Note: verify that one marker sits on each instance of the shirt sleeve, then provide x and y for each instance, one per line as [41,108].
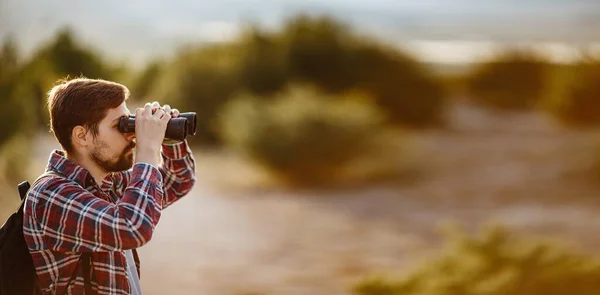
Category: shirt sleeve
[178,170]
[73,219]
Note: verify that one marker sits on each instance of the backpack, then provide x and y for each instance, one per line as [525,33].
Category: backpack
[17,273]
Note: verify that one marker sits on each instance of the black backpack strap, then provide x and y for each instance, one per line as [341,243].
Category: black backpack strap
[23,189]
[87,258]
[25,186]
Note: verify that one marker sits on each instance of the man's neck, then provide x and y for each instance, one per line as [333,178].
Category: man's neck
[85,162]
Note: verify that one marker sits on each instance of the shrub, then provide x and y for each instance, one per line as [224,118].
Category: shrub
[201,81]
[16,158]
[310,50]
[263,66]
[142,83]
[496,263]
[336,59]
[515,80]
[12,113]
[318,50]
[404,89]
[578,102]
[304,136]
[63,56]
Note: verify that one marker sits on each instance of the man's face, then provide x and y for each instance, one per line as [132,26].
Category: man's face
[113,150]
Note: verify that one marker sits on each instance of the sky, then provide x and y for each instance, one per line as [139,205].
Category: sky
[446,30]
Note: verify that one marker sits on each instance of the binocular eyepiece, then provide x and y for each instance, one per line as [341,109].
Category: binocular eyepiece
[177,128]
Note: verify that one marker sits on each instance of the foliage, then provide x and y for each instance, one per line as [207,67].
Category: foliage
[13,110]
[23,88]
[318,51]
[202,82]
[263,66]
[303,135]
[62,57]
[515,80]
[495,263]
[144,81]
[404,89]
[329,55]
[16,159]
[579,99]
[309,50]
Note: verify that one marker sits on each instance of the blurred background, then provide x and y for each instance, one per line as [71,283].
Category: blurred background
[343,147]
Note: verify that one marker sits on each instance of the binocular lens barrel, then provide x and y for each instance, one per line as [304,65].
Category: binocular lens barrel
[177,128]
[191,121]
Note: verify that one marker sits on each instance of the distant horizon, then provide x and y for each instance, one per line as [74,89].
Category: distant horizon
[456,32]
[449,52]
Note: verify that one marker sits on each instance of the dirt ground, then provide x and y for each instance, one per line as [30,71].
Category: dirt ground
[520,170]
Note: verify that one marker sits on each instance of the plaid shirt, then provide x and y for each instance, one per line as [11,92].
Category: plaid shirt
[66,216]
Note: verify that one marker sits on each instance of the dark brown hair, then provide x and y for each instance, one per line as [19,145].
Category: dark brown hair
[81,102]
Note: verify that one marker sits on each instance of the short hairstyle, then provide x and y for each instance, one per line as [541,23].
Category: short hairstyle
[81,102]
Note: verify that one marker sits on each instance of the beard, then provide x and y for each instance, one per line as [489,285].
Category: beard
[121,162]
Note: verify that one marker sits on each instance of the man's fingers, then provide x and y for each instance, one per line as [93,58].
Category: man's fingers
[148,109]
[166,117]
[159,113]
[155,106]
[175,113]
[139,112]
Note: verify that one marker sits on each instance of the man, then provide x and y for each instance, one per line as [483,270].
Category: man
[108,200]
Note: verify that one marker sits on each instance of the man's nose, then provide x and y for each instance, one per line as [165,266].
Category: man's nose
[130,136]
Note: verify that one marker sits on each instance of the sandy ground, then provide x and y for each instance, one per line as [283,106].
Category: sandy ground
[519,170]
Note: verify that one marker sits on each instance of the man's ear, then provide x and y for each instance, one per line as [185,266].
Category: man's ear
[80,136]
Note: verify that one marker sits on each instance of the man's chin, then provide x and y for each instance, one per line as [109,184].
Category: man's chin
[125,164]
[129,164]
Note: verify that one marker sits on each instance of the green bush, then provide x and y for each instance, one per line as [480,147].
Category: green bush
[318,51]
[263,66]
[70,57]
[407,91]
[201,81]
[142,82]
[331,56]
[15,159]
[12,113]
[302,135]
[13,109]
[515,80]
[62,57]
[577,103]
[308,50]
[496,263]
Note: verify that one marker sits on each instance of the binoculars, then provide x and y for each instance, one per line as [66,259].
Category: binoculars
[177,128]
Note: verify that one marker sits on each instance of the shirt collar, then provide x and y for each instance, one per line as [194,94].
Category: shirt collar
[73,171]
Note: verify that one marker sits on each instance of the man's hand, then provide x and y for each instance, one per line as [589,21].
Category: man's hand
[167,108]
[174,114]
[150,128]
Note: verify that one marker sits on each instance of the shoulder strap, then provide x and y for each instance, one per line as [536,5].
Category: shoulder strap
[24,188]
[87,258]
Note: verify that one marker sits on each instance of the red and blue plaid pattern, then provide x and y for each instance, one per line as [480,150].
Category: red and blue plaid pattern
[65,216]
